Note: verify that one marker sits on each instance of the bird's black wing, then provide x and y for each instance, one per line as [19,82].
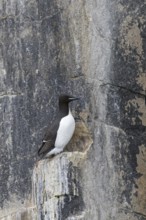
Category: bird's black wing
[49,139]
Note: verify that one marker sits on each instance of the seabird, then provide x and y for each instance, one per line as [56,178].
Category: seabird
[61,131]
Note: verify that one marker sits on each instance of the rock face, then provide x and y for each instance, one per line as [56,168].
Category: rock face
[92,49]
[58,194]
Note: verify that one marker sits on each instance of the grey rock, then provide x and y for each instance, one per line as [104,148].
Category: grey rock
[56,187]
[91,49]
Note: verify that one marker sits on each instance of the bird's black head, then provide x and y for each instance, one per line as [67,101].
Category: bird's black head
[66,98]
[64,101]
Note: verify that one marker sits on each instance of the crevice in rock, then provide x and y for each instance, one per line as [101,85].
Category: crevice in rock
[126,210]
[63,195]
[72,206]
[139,214]
[127,89]
[76,77]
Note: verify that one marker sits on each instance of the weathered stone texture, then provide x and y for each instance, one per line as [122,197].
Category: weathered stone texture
[56,188]
[92,49]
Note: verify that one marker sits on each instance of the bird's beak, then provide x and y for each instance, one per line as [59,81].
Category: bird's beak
[73,98]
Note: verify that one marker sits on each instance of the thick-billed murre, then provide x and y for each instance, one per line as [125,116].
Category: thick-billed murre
[61,131]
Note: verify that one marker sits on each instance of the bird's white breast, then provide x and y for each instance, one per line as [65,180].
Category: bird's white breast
[65,131]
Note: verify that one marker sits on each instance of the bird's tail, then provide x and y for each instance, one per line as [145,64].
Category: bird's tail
[40,149]
[43,150]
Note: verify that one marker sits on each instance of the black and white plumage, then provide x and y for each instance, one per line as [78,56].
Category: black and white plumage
[61,131]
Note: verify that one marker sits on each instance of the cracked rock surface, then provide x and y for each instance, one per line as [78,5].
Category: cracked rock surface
[56,188]
[95,50]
